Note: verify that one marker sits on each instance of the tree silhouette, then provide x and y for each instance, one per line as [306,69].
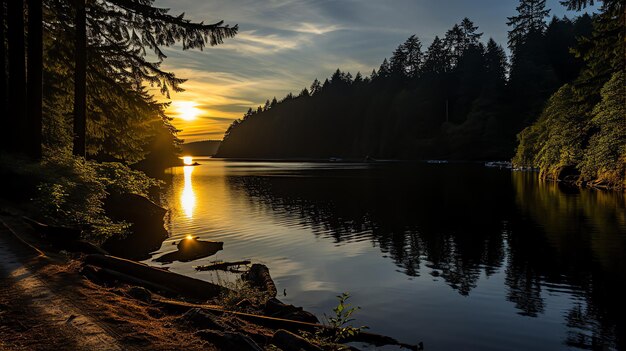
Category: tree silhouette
[437,58]
[34,79]
[17,74]
[529,20]
[417,105]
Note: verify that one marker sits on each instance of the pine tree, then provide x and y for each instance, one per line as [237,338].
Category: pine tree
[358,78]
[374,74]
[437,58]
[496,62]
[529,20]
[604,51]
[471,37]
[120,113]
[384,70]
[455,44]
[316,87]
[406,60]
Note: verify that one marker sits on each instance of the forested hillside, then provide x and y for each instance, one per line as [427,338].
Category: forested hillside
[581,134]
[460,98]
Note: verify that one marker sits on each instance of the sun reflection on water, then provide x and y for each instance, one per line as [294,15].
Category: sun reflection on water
[188,196]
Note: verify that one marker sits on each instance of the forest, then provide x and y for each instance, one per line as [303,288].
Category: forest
[556,104]
[78,91]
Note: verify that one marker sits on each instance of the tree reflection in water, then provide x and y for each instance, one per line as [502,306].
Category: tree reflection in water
[458,221]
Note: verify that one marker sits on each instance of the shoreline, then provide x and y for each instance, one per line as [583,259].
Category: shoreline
[128,315]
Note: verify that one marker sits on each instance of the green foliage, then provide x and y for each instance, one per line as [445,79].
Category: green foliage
[340,321]
[69,191]
[556,140]
[125,40]
[582,129]
[605,156]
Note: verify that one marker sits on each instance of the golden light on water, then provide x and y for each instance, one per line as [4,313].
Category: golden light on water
[188,160]
[188,196]
[186,110]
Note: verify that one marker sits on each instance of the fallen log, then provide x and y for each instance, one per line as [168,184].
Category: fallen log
[221,265]
[179,284]
[106,275]
[289,325]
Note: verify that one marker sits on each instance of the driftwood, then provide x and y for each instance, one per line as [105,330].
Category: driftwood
[280,323]
[100,274]
[259,276]
[145,275]
[221,265]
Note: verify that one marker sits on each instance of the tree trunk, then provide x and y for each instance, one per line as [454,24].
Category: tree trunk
[17,75]
[34,78]
[3,77]
[80,77]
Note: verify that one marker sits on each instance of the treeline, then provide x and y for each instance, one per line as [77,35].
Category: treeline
[460,98]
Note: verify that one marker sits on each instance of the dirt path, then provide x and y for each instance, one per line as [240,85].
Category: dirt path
[46,304]
[41,308]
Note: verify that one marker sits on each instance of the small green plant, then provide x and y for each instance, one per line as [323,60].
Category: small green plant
[339,323]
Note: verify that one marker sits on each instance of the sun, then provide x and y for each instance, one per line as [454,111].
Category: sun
[187,110]
[187,160]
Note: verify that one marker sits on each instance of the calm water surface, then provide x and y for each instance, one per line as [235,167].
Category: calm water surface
[458,256]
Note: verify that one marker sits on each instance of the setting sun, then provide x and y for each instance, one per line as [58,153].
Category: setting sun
[186,110]
[188,160]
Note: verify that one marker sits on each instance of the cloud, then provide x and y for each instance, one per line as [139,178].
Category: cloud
[284,44]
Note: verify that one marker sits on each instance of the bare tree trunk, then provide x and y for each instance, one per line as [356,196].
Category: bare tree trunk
[34,78]
[17,75]
[80,79]
[3,76]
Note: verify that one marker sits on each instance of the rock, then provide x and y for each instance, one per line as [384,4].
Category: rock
[200,319]
[140,293]
[192,249]
[259,276]
[288,341]
[229,340]
[275,308]
[147,231]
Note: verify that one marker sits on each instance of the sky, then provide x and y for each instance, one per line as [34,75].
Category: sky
[282,45]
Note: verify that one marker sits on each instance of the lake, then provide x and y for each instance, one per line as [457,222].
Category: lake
[459,256]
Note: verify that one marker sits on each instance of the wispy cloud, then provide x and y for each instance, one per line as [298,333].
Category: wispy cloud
[284,44]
